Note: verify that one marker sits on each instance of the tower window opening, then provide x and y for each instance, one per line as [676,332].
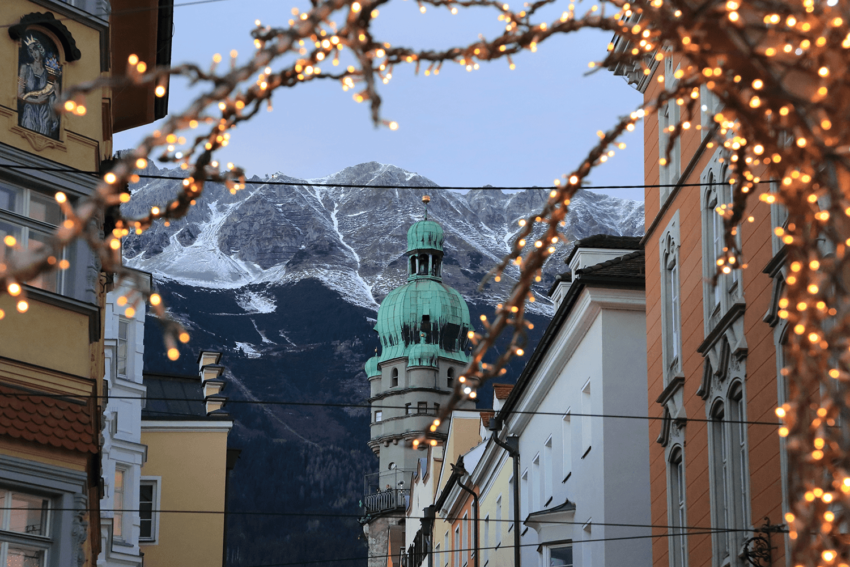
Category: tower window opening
[394,378]
[423,265]
[423,407]
[435,267]
[450,378]
[412,269]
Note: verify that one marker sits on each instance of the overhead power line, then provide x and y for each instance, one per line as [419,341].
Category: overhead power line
[357,405]
[365,186]
[393,516]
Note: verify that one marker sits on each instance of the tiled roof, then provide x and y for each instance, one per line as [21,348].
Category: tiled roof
[631,265]
[184,397]
[486,416]
[46,420]
[502,390]
[605,241]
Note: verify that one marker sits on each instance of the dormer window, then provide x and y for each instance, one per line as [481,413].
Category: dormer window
[394,378]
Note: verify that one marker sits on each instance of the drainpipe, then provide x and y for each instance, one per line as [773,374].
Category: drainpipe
[462,472]
[511,445]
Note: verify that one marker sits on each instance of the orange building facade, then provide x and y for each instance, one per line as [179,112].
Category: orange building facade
[711,347]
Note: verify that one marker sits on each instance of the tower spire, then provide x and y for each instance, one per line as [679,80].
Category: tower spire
[425,200]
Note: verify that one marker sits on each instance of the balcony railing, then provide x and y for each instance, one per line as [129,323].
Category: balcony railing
[387,490]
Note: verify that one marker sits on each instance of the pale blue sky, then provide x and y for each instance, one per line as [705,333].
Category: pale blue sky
[492,126]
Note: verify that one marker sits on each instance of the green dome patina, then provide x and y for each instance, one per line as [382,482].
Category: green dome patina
[372,367]
[424,319]
[425,235]
[423,355]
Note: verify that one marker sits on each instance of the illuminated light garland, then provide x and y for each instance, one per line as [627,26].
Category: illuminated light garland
[780,72]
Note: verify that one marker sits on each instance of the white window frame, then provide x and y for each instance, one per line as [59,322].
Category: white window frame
[379,416]
[669,115]
[547,484]
[525,496]
[671,308]
[447,554]
[586,424]
[536,486]
[457,546]
[465,538]
[156,482]
[119,503]
[547,555]
[567,456]
[125,342]
[22,221]
[677,507]
[498,527]
[486,539]
[43,543]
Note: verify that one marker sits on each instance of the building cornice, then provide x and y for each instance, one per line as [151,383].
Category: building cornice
[159,426]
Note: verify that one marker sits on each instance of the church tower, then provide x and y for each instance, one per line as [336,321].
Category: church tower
[423,328]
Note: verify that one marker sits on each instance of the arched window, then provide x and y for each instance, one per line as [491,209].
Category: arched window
[412,269]
[394,378]
[678,516]
[450,378]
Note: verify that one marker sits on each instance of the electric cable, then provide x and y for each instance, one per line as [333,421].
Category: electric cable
[363,186]
[229,401]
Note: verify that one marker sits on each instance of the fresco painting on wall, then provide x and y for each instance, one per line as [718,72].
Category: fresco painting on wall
[39,84]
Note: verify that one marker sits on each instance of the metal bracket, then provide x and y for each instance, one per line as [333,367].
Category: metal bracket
[757,550]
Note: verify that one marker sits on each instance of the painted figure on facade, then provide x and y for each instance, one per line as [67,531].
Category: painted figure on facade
[39,85]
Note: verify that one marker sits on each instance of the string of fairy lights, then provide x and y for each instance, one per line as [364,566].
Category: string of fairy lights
[779,71]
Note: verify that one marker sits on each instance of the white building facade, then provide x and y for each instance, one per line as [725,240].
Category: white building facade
[581,473]
[122,525]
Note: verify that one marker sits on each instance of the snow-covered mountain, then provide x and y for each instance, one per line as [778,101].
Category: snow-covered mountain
[351,239]
[285,280]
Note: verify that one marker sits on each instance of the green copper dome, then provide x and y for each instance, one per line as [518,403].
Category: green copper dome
[423,311]
[423,355]
[425,235]
[424,319]
[372,367]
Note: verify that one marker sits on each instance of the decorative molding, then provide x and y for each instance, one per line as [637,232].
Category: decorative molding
[49,21]
[736,310]
[675,415]
[199,426]
[38,141]
[79,530]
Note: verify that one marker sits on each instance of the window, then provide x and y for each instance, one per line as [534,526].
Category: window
[546,473]
[739,457]
[678,519]
[568,446]
[148,496]
[457,547]
[118,504]
[511,503]
[586,548]
[450,378]
[408,409]
[525,506]
[720,291]
[423,407]
[379,416]
[671,309]
[394,378]
[486,538]
[30,218]
[720,485]
[446,548]
[536,487]
[466,533]
[586,424]
[668,116]
[24,529]
[436,409]
[709,105]
[561,556]
[498,527]
[437,556]
[123,326]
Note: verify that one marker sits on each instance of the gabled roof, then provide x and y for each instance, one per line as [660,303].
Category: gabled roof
[175,397]
[502,391]
[629,266]
[608,241]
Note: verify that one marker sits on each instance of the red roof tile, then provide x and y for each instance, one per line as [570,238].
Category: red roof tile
[486,416]
[46,420]
[502,390]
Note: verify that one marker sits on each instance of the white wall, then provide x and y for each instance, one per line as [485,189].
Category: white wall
[122,434]
[602,344]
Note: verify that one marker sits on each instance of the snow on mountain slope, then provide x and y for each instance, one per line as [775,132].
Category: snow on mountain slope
[351,239]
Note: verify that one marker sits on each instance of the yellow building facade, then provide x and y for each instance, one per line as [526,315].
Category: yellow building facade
[185,430]
[51,339]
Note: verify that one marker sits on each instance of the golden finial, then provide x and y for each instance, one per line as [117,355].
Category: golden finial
[425,200]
